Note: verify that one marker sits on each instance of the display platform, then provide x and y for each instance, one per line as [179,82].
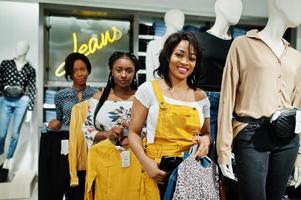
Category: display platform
[20,187]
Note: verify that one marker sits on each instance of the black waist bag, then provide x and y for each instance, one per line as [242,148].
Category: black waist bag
[284,125]
[14,91]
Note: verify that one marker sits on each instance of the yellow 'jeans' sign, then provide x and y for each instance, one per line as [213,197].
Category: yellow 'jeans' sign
[92,45]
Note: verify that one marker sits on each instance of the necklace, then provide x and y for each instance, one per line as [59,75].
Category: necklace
[180,98]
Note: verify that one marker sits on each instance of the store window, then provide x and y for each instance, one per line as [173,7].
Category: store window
[96,38]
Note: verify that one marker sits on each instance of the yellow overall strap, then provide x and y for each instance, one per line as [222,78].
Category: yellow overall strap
[157,92]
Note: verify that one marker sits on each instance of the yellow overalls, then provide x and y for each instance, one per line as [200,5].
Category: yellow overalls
[176,126]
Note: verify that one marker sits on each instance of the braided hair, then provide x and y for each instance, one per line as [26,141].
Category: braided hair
[110,83]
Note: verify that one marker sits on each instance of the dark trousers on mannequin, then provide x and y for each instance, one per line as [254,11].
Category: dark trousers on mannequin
[263,162]
[54,177]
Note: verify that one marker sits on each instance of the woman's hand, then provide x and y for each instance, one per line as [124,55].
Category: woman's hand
[114,133]
[124,142]
[204,144]
[54,124]
[152,169]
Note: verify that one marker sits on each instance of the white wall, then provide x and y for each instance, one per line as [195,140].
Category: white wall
[251,8]
[19,21]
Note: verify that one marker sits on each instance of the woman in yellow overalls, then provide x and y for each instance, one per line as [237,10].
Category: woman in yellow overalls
[175,110]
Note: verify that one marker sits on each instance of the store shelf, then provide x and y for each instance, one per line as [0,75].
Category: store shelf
[48,106]
[148,37]
[64,84]
[141,53]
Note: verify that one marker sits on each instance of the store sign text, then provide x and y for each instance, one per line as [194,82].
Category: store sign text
[92,45]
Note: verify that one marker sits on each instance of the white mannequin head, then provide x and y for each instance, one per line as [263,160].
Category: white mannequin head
[229,10]
[174,21]
[22,48]
[288,12]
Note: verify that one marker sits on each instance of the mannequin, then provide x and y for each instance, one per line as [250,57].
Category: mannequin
[174,21]
[227,13]
[20,60]
[247,135]
[19,76]
[216,43]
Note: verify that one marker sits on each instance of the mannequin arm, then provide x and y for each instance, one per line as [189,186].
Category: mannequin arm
[28,116]
[227,171]
[297,176]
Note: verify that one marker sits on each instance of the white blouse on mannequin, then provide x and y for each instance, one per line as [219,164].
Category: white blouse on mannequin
[174,21]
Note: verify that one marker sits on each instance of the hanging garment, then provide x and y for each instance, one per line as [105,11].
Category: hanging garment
[111,180]
[196,181]
[173,136]
[77,147]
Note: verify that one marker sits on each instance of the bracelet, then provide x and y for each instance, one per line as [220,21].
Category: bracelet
[210,139]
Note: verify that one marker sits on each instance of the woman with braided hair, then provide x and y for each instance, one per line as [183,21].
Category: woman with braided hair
[111,165]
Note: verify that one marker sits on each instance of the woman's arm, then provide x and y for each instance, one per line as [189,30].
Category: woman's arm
[138,118]
[203,139]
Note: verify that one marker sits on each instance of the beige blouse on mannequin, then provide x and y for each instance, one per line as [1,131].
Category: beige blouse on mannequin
[282,15]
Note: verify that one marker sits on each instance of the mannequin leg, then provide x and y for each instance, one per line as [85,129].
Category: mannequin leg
[2,158]
[19,115]
[281,161]
[6,113]
[7,164]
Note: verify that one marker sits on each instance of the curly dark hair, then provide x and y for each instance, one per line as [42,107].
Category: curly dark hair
[69,62]
[170,44]
[110,83]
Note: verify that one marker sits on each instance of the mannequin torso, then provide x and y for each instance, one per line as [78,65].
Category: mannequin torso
[20,62]
[174,21]
[227,13]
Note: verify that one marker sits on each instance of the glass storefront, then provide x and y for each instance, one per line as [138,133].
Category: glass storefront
[96,38]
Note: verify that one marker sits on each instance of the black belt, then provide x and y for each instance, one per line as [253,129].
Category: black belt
[247,119]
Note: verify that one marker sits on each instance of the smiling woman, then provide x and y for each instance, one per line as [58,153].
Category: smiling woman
[175,110]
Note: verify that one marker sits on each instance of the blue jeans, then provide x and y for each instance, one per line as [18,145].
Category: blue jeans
[214,102]
[17,108]
[263,162]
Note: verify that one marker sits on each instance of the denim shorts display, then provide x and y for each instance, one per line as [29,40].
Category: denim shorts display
[16,108]
[49,96]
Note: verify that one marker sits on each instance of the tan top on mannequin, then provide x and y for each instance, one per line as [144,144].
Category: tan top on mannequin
[282,15]
[174,21]
[227,13]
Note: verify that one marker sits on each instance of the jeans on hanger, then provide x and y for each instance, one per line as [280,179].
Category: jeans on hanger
[214,103]
[12,107]
[263,162]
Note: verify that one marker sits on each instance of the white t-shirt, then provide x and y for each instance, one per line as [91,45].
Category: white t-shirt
[146,95]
